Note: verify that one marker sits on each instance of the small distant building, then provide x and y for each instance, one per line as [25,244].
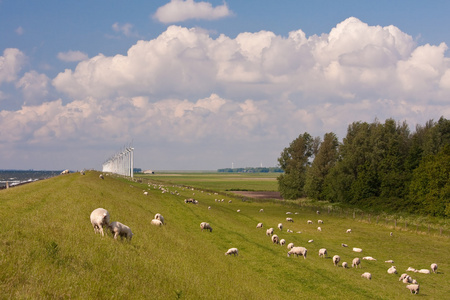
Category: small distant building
[149,172]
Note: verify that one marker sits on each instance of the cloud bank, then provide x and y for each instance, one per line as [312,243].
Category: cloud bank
[190,101]
[179,11]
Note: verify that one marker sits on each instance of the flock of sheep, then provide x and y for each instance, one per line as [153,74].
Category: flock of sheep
[100,218]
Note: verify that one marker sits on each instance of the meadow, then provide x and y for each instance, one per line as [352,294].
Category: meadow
[48,248]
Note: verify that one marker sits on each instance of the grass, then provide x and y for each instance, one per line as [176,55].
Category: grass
[48,248]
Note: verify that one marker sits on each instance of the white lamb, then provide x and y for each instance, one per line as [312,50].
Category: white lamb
[269,231]
[434,268]
[356,262]
[410,269]
[344,265]
[275,239]
[99,218]
[389,261]
[367,275]
[289,220]
[336,259]
[206,226]
[156,222]
[403,276]
[369,258]
[310,241]
[260,225]
[392,270]
[282,242]
[280,226]
[423,271]
[119,229]
[233,251]
[349,231]
[344,245]
[323,252]
[261,210]
[414,288]
[357,249]
[298,251]
[319,221]
[290,246]
[319,229]
[159,217]
[309,222]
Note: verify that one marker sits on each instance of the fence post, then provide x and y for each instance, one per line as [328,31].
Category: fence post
[395,223]
[369,218]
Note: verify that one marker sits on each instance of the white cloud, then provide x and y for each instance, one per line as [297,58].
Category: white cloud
[179,11]
[185,93]
[125,29]
[19,30]
[11,63]
[72,56]
[34,87]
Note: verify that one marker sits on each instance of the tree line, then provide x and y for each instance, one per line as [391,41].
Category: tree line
[376,165]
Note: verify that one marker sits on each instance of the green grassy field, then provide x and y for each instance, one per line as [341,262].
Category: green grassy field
[48,248]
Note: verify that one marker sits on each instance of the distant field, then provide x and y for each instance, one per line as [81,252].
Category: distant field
[221,181]
[48,249]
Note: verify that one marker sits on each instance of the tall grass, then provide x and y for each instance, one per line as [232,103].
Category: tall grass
[48,248]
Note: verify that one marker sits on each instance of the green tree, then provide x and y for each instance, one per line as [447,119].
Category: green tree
[294,161]
[324,160]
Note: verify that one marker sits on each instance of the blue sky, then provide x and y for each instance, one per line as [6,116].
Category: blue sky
[203,84]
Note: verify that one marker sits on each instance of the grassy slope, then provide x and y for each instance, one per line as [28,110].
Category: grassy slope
[48,248]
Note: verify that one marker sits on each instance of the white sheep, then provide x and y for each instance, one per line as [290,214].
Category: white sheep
[238,210]
[423,271]
[392,270]
[282,242]
[156,222]
[323,252]
[261,210]
[290,231]
[369,258]
[119,229]
[298,251]
[344,245]
[260,225]
[336,259]
[344,265]
[99,218]
[289,220]
[367,275]
[389,261]
[407,279]
[310,241]
[233,251]
[206,226]
[288,213]
[319,229]
[414,288]
[403,276]
[410,269]
[349,231]
[356,262]
[434,268]
[357,249]
[159,217]
[101,176]
[280,226]
[319,222]
[269,231]
[275,239]
[290,246]
[309,222]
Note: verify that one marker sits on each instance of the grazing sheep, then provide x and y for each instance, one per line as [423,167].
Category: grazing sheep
[414,288]
[357,249]
[229,201]
[410,269]
[206,226]
[159,217]
[119,229]
[345,265]
[290,231]
[298,251]
[323,252]
[233,251]
[349,231]
[145,193]
[367,275]
[290,246]
[392,270]
[260,225]
[369,258]
[344,245]
[238,210]
[319,222]
[280,226]
[336,259]
[289,220]
[275,239]
[269,231]
[389,261]
[310,241]
[309,222]
[282,242]
[407,279]
[99,218]
[65,172]
[261,210]
[434,268]
[356,262]
[319,229]
[403,276]
[288,213]
[318,212]
[156,222]
[423,271]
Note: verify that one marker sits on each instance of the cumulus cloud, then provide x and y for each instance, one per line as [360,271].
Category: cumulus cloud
[184,93]
[34,87]
[72,56]
[11,63]
[125,29]
[179,11]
